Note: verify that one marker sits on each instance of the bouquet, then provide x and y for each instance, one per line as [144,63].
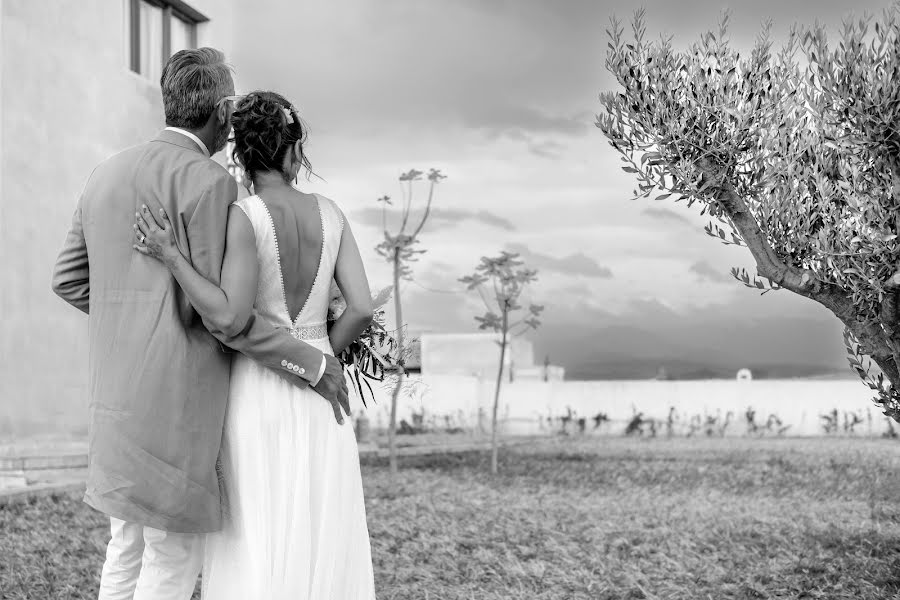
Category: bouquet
[373,354]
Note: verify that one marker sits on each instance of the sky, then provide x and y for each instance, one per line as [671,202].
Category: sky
[501,96]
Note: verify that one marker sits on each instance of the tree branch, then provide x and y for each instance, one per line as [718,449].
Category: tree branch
[407,205]
[769,264]
[487,305]
[427,210]
[878,340]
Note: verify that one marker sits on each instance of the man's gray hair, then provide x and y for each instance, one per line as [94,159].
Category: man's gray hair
[192,82]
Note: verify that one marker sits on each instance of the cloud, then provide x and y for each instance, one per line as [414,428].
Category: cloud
[707,272]
[483,216]
[412,93]
[578,291]
[664,214]
[548,149]
[437,276]
[573,264]
[425,310]
[530,69]
[517,122]
[543,148]
[527,65]
[439,218]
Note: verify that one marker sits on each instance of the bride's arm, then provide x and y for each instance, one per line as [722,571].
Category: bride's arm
[226,307]
[350,275]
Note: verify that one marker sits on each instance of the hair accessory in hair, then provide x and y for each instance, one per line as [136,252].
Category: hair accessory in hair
[262,137]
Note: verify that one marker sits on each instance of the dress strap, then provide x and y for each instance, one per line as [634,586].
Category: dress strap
[332,224]
[253,207]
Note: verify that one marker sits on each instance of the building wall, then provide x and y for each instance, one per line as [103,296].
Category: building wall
[67,102]
[539,373]
[471,354]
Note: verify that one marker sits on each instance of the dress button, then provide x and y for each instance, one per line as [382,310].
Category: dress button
[284,363]
[302,371]
[290,366]
[296,369]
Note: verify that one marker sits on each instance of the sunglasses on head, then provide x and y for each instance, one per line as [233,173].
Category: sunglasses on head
[229,99]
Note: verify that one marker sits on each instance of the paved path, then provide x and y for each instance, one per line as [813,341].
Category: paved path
[29,476]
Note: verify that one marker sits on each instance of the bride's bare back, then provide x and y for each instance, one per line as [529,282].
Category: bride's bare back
[303,242]
[297,220]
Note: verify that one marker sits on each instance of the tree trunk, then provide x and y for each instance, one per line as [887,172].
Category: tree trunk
[392,426]
[880,341]
[497,394]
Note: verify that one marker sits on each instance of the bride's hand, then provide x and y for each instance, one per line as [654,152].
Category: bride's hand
[157,241]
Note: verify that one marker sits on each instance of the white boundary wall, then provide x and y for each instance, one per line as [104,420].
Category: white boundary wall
[525,406]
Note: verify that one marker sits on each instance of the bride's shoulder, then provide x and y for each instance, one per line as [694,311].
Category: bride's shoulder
[250,206]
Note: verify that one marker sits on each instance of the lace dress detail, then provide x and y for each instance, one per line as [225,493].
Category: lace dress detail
[310,332]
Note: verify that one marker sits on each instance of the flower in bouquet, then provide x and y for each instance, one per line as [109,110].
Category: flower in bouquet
[371,355]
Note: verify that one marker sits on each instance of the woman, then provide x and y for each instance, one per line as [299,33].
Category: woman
[295,523]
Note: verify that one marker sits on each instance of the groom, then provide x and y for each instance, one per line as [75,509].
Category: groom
[158,376]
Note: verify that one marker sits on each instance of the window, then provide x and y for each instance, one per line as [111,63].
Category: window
[159,29]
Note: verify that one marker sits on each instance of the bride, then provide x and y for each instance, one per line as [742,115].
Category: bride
[295,522]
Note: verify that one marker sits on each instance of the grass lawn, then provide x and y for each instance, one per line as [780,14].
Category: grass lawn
[593,518]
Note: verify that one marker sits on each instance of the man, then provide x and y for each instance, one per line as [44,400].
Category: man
[158,376]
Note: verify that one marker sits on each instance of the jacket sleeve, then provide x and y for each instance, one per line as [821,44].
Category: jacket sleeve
[71,279]
[260,340]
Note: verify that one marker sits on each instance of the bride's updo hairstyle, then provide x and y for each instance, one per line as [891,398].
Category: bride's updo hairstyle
[266,126]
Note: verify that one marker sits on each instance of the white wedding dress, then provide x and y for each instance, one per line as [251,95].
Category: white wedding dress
[294,518]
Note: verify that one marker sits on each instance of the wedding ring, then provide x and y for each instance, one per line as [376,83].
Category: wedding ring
[143,238]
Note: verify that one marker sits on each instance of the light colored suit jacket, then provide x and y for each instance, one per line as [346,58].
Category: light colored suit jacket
[158,377]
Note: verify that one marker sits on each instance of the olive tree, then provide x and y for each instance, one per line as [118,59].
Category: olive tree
[794,154]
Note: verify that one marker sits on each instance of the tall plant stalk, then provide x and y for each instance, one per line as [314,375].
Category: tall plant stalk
[400,250]
[401,347]
[508,278]
[503,344]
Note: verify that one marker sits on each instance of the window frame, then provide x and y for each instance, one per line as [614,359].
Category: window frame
[172,9]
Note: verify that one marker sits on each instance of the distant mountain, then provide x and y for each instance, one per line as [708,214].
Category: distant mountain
[682,370]
[785,349]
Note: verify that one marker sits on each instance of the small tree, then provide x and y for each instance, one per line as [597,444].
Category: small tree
[400,249]
[796,154]
[508,278]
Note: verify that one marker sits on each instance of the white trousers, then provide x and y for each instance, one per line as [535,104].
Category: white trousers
[143,563]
